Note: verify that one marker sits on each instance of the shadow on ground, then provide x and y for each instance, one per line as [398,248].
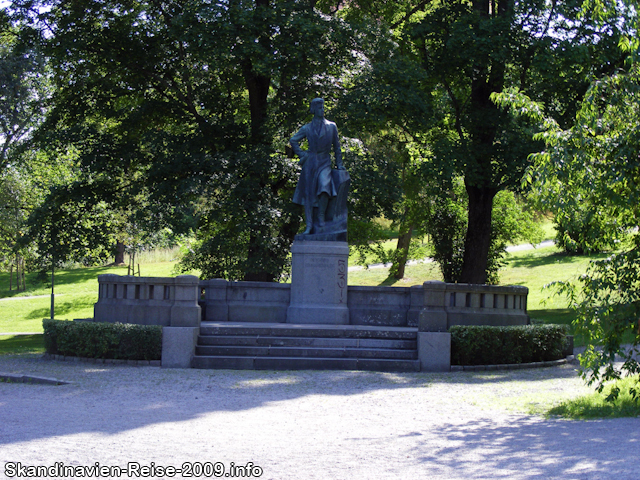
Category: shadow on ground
[148,395]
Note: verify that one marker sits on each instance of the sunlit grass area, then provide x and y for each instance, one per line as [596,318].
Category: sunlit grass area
[76,291]
[594,405]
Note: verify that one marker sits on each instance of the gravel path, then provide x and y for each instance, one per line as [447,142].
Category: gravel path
[311,425]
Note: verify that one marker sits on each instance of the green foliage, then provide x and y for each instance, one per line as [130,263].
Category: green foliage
[602,153]
[446,224]
[583,227]
[103,340]
[484,345]
[189,104]
[432,71]
[607,303]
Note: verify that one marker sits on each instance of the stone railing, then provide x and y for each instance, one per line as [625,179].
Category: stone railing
[169,302]
[433,306]
[226,301]
[148,300]
[447,304]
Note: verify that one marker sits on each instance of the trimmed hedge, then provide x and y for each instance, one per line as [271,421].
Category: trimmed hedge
[103,340]
[485,345]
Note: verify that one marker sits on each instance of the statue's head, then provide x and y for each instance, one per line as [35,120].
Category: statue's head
[315,104]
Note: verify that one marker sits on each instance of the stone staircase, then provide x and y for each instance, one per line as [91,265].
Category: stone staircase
[282,346]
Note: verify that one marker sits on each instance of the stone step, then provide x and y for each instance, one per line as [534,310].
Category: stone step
[312,330]
[305,363]
[252,340]
[323,352]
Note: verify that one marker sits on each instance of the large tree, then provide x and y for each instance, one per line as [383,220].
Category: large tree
[192,102]
[469,51]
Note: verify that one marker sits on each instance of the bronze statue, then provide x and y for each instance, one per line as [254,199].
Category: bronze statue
[321,190]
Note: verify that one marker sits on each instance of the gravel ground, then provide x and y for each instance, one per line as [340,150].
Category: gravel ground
[311,425]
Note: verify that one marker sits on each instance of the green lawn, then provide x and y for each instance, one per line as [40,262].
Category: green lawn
[77,289]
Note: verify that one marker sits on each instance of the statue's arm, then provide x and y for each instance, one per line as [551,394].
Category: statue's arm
[337,150]
[295,144]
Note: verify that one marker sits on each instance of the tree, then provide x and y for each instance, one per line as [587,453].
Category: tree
[598,158]
[602,150]
[24,89]
[192,102]
[471,50]
[445,222]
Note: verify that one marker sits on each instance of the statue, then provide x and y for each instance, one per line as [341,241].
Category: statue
[321,189]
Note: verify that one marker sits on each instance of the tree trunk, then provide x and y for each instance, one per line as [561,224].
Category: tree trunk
[402,252]
[120,247]
[478,238]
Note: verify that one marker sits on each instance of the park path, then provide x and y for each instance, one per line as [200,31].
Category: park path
[311,424]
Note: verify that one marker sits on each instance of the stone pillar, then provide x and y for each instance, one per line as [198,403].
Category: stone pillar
[434,351]
[433,316]
[180,338]
[319,283]
[178,346]
[185,311]
[434,342]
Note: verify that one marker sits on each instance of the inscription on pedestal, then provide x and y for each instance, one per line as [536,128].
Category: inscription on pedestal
[342,280]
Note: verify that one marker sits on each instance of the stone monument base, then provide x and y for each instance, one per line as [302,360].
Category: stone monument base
[319,283]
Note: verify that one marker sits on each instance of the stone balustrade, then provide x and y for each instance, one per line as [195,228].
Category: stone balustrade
[148,300]
[433,306]
[169,302]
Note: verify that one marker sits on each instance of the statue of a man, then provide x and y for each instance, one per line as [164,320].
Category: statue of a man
[316,185]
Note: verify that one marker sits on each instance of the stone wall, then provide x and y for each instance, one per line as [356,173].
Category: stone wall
[433,306]
[170,302]
[179,304]
[148,300]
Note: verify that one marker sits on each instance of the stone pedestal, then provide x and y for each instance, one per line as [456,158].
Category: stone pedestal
[319,283]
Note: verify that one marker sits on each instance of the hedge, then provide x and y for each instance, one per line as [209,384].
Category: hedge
[103,340]
[485,345]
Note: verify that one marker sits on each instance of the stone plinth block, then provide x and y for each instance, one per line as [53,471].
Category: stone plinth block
[178,346]
[319,283]
[434,351]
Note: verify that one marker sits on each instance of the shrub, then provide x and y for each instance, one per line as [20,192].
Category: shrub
[485,345]
[103,340]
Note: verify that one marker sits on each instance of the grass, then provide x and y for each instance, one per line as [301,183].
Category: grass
[594,405]
[19,344]
[76,291]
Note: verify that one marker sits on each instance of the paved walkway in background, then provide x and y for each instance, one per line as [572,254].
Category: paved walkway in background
[311,424]
[30,297]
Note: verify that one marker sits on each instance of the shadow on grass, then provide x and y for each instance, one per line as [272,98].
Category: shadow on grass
[390,281]
[16,344]
[64,307]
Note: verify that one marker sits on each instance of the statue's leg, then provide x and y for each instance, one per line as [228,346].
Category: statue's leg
[308,216]
[323,201]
